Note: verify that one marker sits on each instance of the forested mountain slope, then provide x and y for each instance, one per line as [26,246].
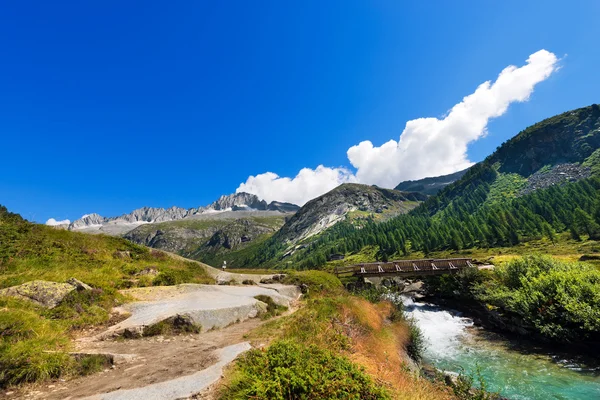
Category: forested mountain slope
[354,203]
[542,182]
[207,239]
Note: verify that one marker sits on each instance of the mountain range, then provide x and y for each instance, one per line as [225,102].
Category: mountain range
[95,223]
[473,207]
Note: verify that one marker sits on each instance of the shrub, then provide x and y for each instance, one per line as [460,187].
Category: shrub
[287,370]
[561,300]
[170,277]
[88,364]
[172,326]
[416,341]
[83,308]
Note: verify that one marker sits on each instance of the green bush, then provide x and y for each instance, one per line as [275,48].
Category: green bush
[416,342]
[91,363]
[173,326]
[170,277]
[287,370]
[561,300]
[460,285]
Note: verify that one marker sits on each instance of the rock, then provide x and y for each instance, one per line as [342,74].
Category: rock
[78,284]
[223,279]
[44,293]
[556,175]
[122,254]
[262,307]
[151,271]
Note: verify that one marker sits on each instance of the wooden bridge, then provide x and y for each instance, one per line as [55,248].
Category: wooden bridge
[406,268]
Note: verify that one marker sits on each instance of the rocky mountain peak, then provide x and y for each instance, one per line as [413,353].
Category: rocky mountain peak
[88,220]
[240,200]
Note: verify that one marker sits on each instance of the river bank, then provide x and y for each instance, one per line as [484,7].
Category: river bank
[513,328]
[514,368]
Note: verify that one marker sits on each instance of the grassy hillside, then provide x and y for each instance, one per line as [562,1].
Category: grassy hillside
[34,340]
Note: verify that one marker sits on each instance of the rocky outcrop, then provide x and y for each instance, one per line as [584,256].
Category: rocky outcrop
[283,207]
[556,175]
[238,232]
[332,207]
[44,293]
[240,201]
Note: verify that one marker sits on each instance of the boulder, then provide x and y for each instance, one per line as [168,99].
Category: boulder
[78,284]
[224,279]
[44,293]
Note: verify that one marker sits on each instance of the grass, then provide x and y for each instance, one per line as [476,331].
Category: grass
[593,162]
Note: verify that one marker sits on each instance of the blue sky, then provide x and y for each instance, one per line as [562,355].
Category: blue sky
[110,106]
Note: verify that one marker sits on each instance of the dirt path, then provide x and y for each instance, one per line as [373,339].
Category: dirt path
[189,361]
[150,360]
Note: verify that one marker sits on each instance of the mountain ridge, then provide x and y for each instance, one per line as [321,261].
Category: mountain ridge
[126,222]
[430,185]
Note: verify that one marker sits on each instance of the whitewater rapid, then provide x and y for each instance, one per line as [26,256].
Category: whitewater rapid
[453,344]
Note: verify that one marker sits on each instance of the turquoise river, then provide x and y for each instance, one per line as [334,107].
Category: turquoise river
[516,373]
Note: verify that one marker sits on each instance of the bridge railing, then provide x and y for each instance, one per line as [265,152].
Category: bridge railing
[400,267]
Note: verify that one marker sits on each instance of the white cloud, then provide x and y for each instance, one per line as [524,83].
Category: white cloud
[53,222]
[426,147]
[307,185]
[432,146]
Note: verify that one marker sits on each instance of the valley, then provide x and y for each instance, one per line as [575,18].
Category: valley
[137,305]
